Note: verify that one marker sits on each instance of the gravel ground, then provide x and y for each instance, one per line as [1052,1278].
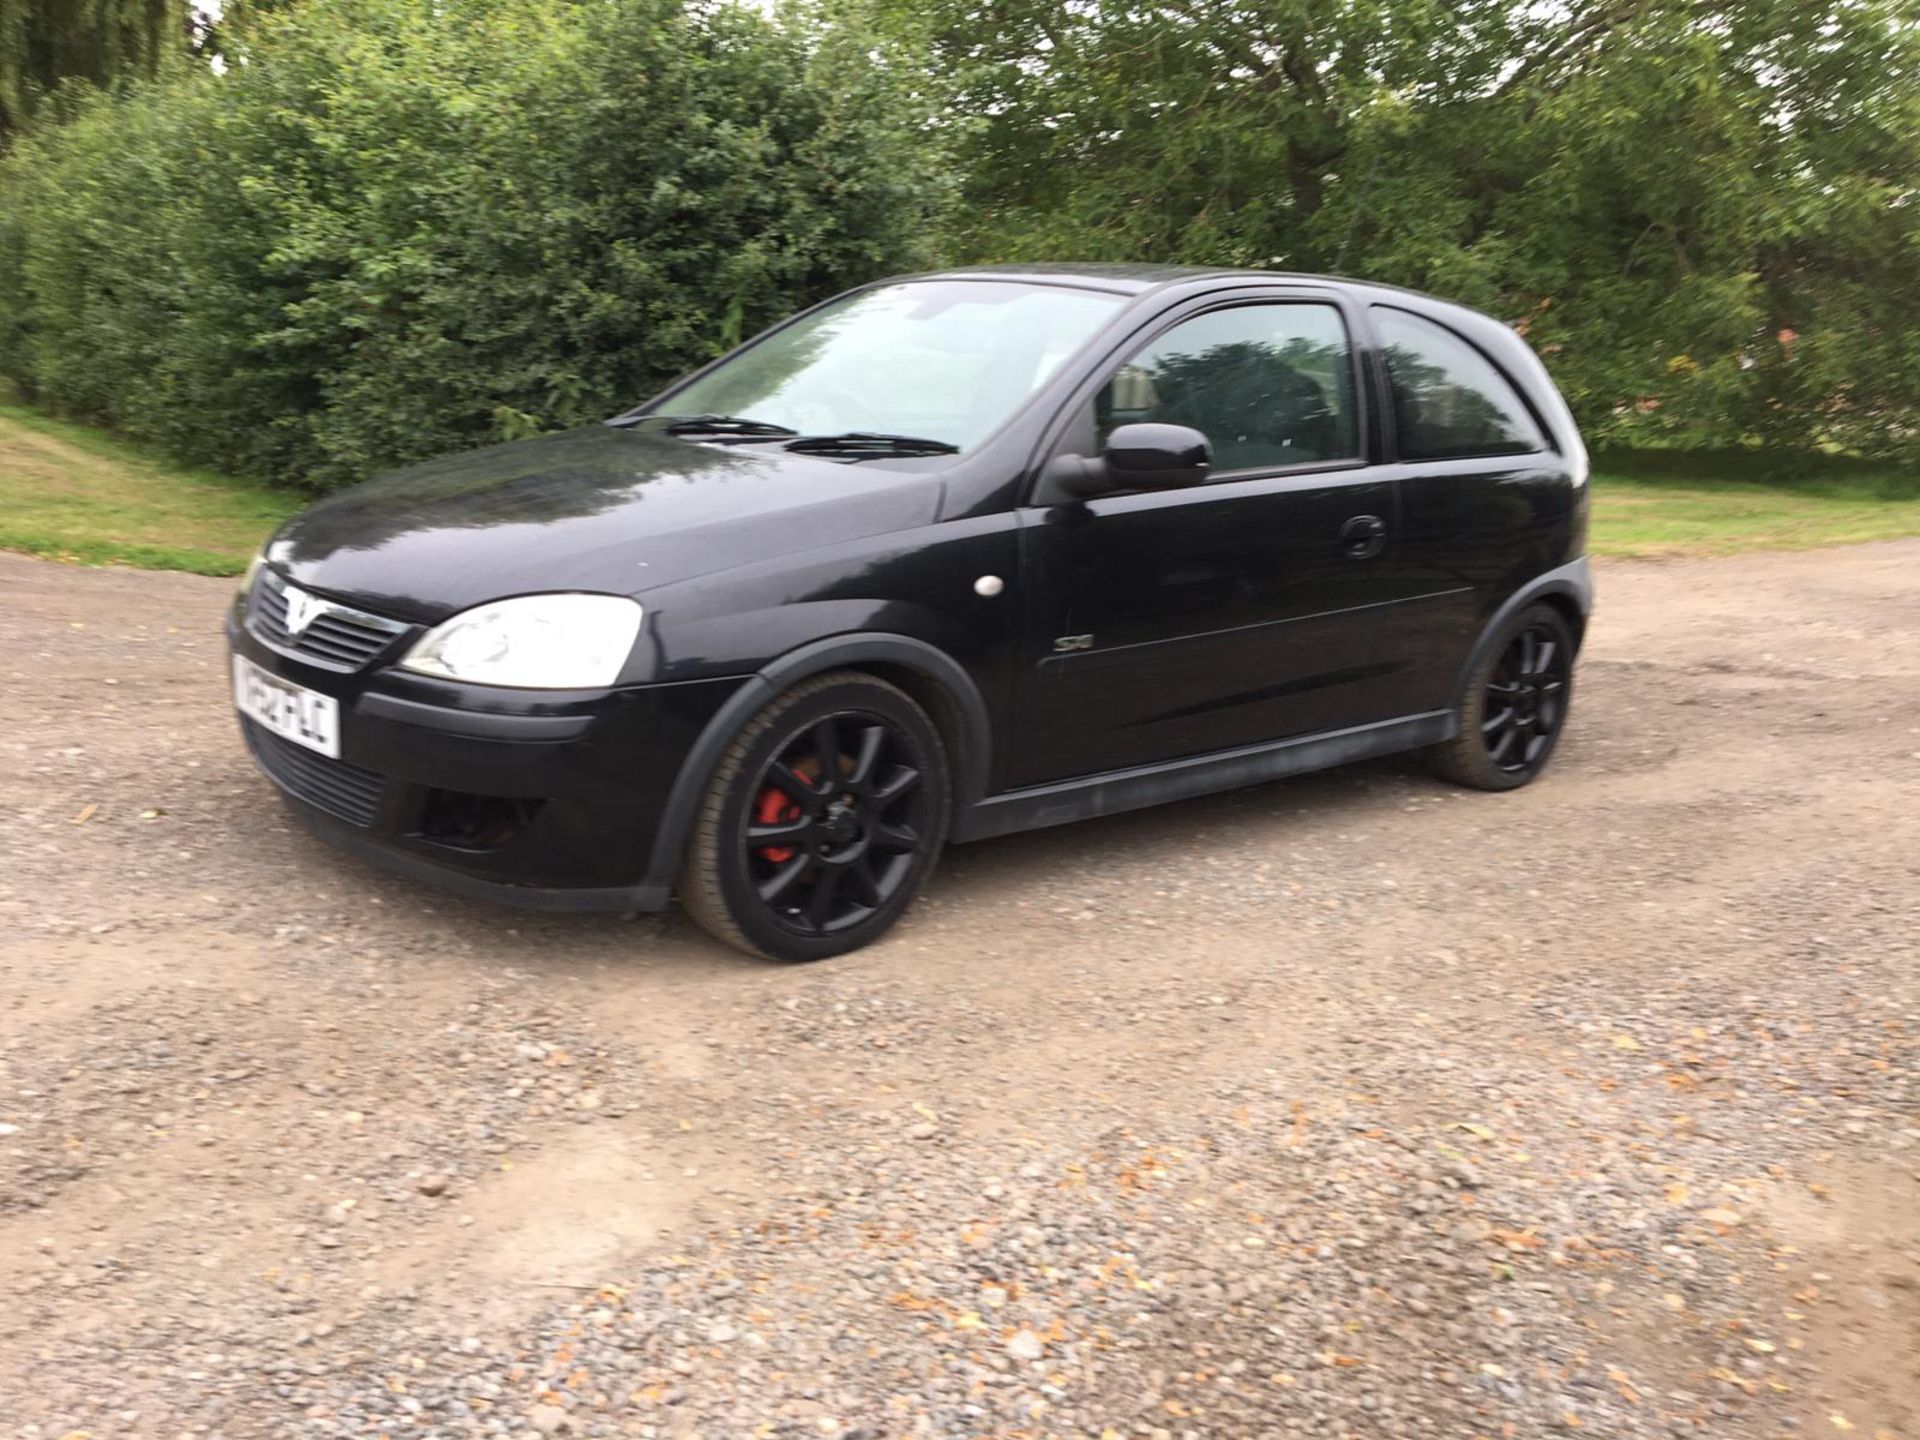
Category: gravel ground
[1351,1106]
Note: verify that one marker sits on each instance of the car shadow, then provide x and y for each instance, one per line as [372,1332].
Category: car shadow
[668,944]
[1232,817]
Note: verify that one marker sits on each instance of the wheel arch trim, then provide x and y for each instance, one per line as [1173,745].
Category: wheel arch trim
[1571,583]
[971,765]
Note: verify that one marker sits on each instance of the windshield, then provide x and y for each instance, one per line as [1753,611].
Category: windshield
[948,360]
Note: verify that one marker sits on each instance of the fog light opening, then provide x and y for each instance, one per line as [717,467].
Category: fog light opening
[474,822]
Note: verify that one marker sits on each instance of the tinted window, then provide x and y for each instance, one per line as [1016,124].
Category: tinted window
[1447,397]
[1268,385]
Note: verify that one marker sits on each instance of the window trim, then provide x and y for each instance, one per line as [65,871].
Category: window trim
[1153,327]
[1390,418]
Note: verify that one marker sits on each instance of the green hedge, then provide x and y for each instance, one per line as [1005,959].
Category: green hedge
[395,227]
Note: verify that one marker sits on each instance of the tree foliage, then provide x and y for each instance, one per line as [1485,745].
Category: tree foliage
[102,43]
[393,227]
[1704,212]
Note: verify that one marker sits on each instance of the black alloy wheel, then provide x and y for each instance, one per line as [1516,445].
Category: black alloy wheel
[1525,700]
[1515,706]
[821,823]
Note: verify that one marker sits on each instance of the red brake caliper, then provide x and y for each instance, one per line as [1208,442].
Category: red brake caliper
[776,807]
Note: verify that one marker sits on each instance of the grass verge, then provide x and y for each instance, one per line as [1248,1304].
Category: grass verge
[70,493]
[1675,515]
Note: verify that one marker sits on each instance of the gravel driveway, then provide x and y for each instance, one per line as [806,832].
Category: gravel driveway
[1348,1106]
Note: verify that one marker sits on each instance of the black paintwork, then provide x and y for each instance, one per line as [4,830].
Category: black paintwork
[1250,626]
[627,511]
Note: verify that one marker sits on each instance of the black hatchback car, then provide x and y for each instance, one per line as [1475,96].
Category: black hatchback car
[941,558]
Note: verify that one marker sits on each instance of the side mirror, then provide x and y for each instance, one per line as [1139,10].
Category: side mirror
[1157,457]
[1139,457]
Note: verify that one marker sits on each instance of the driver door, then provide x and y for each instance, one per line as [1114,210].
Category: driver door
[1230,613]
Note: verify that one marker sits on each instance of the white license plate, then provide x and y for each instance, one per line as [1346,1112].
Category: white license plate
[290,711]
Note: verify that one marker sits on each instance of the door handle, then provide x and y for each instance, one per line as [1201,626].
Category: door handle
[1363,537]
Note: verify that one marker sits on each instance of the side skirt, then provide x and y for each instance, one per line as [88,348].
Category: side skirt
[1144,785]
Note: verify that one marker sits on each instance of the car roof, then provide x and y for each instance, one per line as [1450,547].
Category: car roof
[1122,279]
[1128,279]
[1138,281]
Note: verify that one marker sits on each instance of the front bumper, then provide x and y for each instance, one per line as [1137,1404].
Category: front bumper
[545,799]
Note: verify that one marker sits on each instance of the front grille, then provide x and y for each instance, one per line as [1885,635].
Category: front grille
[338,637]
[334,786]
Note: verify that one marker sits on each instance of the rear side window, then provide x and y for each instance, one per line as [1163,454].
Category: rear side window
[1448,400]
[1268,385]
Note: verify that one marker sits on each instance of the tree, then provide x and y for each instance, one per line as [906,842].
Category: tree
[1656,190]
[101,42]
[220,35]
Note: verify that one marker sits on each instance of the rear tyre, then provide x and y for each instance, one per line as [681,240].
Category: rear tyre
[1515,704]
[822,821]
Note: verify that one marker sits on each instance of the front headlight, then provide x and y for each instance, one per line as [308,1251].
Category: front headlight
[253,569]
[537,642]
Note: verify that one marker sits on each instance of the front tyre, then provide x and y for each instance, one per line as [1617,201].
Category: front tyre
[822,821]
[1514,706]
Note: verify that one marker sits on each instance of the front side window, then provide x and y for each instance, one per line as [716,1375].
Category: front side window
[1268,385]
[948,360]
[1448,400]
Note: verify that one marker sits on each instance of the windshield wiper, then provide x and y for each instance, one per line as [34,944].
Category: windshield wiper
[722,428]
[725,425]
[863,444]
